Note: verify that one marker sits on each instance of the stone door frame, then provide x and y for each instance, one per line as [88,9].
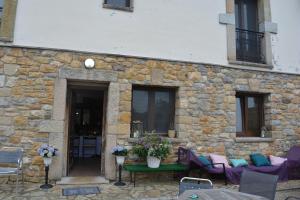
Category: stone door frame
[57,127]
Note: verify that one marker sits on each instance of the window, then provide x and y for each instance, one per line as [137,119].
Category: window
[1,9]
[249,114]
[119,4]
[154,107]
[248,39]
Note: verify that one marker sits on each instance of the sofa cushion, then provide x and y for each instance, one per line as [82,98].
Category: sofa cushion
[219,159]
[205,161]
[259,160]
[275,160]
[238,162]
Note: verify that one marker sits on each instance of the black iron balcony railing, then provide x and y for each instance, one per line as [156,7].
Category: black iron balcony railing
[249,46]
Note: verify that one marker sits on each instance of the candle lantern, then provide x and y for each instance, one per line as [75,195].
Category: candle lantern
[137,129]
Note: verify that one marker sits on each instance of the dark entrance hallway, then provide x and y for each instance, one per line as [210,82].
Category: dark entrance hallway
[85,132]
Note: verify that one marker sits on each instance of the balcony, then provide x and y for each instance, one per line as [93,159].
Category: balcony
[249,46]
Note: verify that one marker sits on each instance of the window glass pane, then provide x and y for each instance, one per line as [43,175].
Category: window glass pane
[162,112]
[118,3]
[253,116]
[140,107]
[1,7]
[239,120]
[237,16]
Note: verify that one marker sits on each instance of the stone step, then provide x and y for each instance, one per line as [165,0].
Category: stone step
[82,180]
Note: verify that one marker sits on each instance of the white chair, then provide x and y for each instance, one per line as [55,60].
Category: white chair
[190,183]
[12,157]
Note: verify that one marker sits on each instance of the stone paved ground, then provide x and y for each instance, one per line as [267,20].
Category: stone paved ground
[153,190]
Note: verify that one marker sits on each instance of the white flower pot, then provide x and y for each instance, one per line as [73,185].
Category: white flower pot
[120,160]
[47,161]
[153,162]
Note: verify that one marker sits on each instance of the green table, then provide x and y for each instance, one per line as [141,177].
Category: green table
[143,168]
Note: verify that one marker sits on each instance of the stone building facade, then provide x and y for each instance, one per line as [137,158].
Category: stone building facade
[33,103]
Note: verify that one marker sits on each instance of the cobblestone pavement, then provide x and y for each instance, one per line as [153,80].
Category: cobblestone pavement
[150,190]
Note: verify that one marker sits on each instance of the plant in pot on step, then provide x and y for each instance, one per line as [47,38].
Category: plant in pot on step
[152,148]
[47,152]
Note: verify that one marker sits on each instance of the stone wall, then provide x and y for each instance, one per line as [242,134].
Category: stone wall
[205,101]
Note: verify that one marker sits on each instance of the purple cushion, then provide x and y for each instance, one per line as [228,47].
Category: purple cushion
[276,160]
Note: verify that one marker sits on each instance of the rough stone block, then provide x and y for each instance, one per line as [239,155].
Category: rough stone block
[110,164]
[2,80]
[91,74]
[51,126]
[11,69]
[226,18]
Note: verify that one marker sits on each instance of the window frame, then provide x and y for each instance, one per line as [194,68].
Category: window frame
[109,6]
[8,20]
[151,106]
[244,113]
[264,17]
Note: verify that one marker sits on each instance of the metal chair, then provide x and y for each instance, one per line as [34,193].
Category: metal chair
[194,184]
[258,184]
[12,157]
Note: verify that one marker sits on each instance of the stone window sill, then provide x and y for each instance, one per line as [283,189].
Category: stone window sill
[252,139]
[6,39]
[250,64]
[171,140]
[128,9]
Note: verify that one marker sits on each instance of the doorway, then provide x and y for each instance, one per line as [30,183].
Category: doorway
[85,131]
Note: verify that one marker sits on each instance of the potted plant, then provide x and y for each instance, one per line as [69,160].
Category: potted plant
[47,152]
[120,152]
[152,148]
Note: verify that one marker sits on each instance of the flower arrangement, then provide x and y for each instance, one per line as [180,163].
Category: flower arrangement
[47,151]
[119,151]
[152,145]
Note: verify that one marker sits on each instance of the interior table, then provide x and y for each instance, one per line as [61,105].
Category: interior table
[217,194]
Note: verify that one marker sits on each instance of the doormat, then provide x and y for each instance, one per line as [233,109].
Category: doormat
[80,191]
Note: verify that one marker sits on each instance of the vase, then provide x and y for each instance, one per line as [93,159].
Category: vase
[153,162]
[171,134]
[47,161]
[120,160]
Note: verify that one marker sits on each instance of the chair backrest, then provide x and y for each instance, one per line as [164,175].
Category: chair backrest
[194,184]
[258,184]
[11,157]
[292,198]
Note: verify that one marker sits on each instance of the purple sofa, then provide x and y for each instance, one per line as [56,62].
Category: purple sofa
[187,157]
[293,163]
[233,174]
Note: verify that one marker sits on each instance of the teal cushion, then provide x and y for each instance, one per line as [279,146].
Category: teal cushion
[205,161]
[259,160]
[238,162]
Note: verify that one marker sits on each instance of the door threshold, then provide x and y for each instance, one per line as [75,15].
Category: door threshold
[82,180]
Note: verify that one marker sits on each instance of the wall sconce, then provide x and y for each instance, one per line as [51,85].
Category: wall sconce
[89,63]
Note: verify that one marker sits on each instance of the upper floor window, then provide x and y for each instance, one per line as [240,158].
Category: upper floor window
[248,38]
[249,114]
[119,4]
[154,107]
[1,9]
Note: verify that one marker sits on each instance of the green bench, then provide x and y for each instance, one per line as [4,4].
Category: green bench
[143,168]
